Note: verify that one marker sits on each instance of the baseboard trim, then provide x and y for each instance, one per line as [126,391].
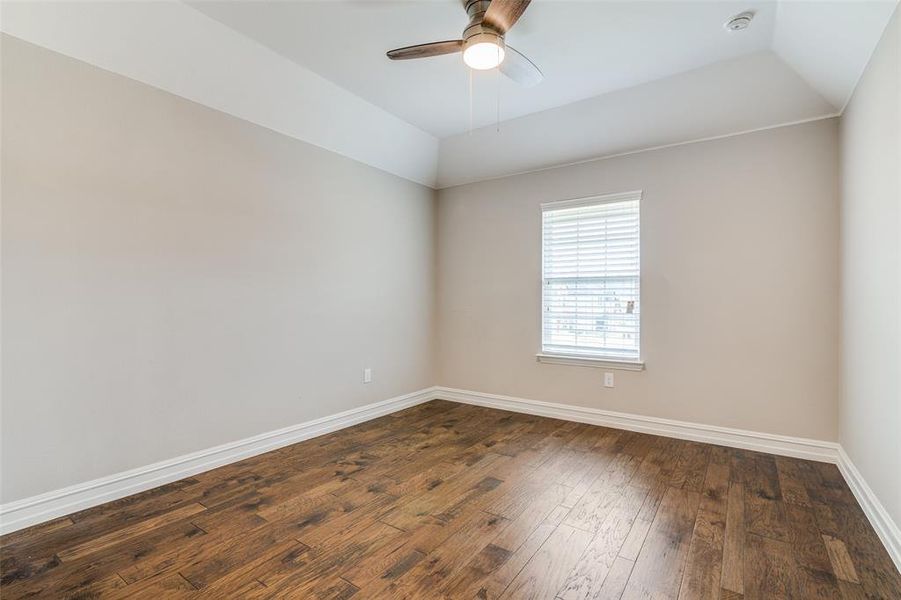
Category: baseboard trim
[724,436]
[44,507]
[887,530]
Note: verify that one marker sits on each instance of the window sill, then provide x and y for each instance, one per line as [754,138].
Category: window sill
[588,361]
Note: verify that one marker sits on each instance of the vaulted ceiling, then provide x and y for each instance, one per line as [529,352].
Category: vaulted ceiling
[585,49]
[620,76]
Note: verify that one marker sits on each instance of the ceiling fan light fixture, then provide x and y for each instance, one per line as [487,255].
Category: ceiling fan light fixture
[482,43]
[483,56]
[483,51]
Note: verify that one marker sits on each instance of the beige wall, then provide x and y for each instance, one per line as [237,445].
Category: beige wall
[176,278]
[870,407]
[739,283]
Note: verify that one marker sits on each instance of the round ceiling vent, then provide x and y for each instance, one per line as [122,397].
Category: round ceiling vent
[739,21]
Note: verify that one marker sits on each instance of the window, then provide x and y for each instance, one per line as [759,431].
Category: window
[591,305]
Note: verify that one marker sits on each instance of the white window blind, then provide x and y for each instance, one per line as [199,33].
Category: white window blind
[591,273]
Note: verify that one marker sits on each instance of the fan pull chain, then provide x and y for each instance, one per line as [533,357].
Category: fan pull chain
[470,101]
[497,89]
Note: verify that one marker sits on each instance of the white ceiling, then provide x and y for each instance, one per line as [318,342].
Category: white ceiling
[585,49]
[620,76]
[830,43]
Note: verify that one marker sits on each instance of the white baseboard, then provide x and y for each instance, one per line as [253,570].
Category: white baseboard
[44,507]
[887,530]
[724,436]
[37,509]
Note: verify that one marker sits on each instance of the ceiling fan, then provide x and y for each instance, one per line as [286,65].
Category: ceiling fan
[483,44]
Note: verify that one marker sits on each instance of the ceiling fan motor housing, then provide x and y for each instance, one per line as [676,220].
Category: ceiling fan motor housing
[485,36]
[475,9]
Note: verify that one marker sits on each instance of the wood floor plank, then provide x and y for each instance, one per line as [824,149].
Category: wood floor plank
[321,567]
[642,525]
[833,486]
[121,535]
[599,500]
[593,567]
[521,550]
[598,464]
[436,572]
[851,591]
[545,573]
[164,585]
[764,510]
[63,579]
[660,565]
[715,490]
[815,573]
[615,583]
[647,475]
[705,557]
[278,567]
[808,544]
[392,561]
[526,495]
[302,503]
[770,570]
[235,555]
[842,565]
[527,516]
[412,479]
[791,482]
[336,589]
[875,569]
[693,464]
[172,557]
[639,445]
[138,507]
[409,511]
[36,533]
[242,570]
[734,541]
[673,469]
[449,501]
[345,521]
[467,581]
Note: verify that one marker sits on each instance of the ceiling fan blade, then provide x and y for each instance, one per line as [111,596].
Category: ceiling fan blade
[520,69]
[426,50]
[502,14]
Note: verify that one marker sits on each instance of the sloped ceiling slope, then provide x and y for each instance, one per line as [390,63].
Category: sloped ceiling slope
[620,76]
[830,43]
[171,46]
[743,94]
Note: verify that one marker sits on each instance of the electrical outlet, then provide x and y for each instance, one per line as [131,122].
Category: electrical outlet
[608,379]
[367,375]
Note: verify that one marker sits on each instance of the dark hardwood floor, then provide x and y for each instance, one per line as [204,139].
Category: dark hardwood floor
[452,501]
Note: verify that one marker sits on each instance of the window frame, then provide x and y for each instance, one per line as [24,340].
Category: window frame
[587,359]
